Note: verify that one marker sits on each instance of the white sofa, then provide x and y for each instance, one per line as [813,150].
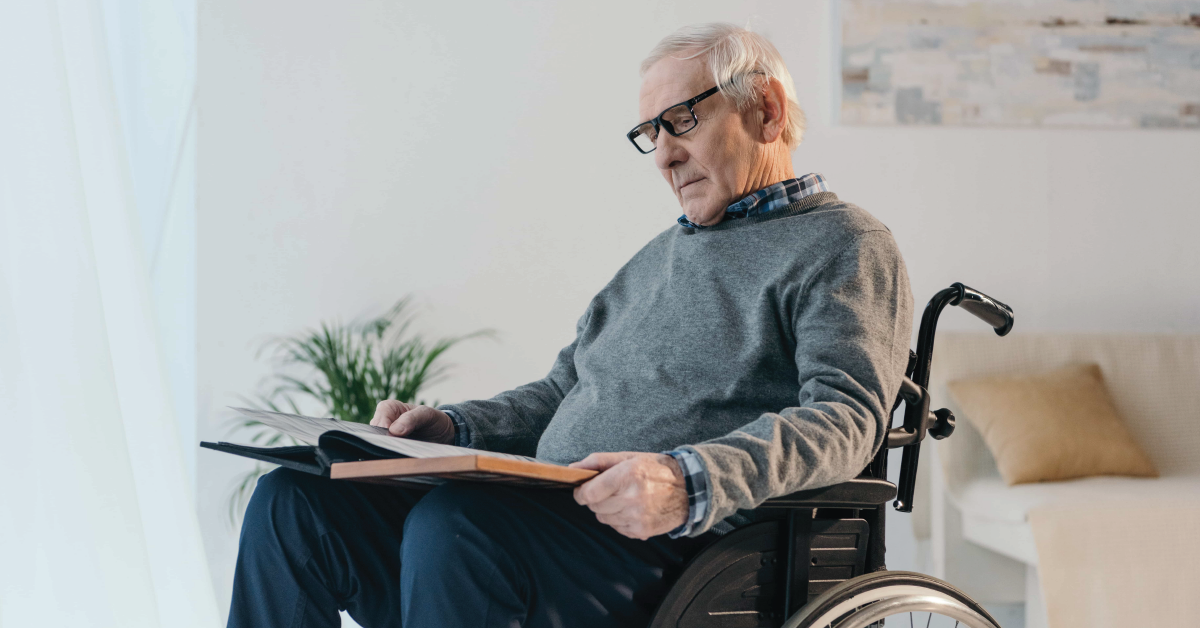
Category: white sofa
[978,530]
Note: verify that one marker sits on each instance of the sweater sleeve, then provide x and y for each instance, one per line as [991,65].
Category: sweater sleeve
[513,421]
[852,323]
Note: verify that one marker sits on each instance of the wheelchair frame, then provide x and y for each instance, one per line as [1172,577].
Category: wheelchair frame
[812,541]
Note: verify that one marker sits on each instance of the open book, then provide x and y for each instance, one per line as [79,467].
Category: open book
[353,451]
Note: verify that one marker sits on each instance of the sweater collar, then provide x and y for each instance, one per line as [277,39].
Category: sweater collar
[770,198]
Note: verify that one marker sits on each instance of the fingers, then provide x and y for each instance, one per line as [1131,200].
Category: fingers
[636,523]
[388,411]
[424,423]
[601,487]
[603,460]
[409,422]
[610,506]
[633,531]
[629,518]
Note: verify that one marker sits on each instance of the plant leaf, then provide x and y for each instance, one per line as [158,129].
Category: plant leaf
[345,370]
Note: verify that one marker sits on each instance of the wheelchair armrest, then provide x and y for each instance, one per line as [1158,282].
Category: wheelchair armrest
[857,493]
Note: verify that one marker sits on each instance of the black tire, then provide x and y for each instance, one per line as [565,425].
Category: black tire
[881,587]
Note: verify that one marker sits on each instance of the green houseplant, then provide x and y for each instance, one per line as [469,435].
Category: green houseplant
[343,370]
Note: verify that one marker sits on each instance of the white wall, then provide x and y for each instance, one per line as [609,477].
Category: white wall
[351,153]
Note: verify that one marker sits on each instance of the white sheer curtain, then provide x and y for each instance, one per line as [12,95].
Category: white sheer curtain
[97,524]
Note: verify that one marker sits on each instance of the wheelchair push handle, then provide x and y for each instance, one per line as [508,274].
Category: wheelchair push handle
[918,420]
[985,308]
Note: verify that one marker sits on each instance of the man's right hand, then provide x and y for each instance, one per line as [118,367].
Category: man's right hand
[413,421]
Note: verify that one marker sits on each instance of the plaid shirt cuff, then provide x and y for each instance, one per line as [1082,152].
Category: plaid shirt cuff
[462,432]
[697,490]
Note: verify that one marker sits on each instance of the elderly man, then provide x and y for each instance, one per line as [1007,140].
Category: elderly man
[749,351]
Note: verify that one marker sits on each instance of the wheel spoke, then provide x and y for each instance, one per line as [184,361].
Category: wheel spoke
[883,606]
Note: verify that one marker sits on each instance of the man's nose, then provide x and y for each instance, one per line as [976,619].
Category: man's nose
[669,152]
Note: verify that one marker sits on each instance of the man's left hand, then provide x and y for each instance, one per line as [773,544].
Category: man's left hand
[639,494]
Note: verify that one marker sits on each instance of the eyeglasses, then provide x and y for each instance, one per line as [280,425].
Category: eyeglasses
[676,119]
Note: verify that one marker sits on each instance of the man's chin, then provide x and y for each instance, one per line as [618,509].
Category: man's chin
[702,216]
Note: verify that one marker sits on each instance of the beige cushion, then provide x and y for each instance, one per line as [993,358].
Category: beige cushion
[1058,425]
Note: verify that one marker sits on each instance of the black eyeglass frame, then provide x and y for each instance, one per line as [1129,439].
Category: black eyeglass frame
[660,124]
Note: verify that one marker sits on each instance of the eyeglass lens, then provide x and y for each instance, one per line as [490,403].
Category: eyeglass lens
[645,137]
[677,120]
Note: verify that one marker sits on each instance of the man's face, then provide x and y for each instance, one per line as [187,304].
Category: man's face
[710,166]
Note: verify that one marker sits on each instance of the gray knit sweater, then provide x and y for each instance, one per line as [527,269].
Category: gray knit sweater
[772,346]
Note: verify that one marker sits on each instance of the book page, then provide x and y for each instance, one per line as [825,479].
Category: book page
[309,429]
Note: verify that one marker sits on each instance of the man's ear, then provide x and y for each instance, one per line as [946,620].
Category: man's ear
[772,111]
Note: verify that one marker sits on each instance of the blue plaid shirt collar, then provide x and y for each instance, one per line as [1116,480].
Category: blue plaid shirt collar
[771,198]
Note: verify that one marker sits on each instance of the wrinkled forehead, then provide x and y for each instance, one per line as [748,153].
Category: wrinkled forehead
[671,81]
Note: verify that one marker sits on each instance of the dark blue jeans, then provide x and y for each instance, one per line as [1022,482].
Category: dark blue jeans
[460,555]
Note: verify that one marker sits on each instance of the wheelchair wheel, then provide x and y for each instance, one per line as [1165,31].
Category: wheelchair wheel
[892,598]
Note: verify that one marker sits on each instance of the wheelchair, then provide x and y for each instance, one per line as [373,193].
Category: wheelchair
[816,560]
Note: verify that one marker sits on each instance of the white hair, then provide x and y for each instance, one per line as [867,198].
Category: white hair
[740,61]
